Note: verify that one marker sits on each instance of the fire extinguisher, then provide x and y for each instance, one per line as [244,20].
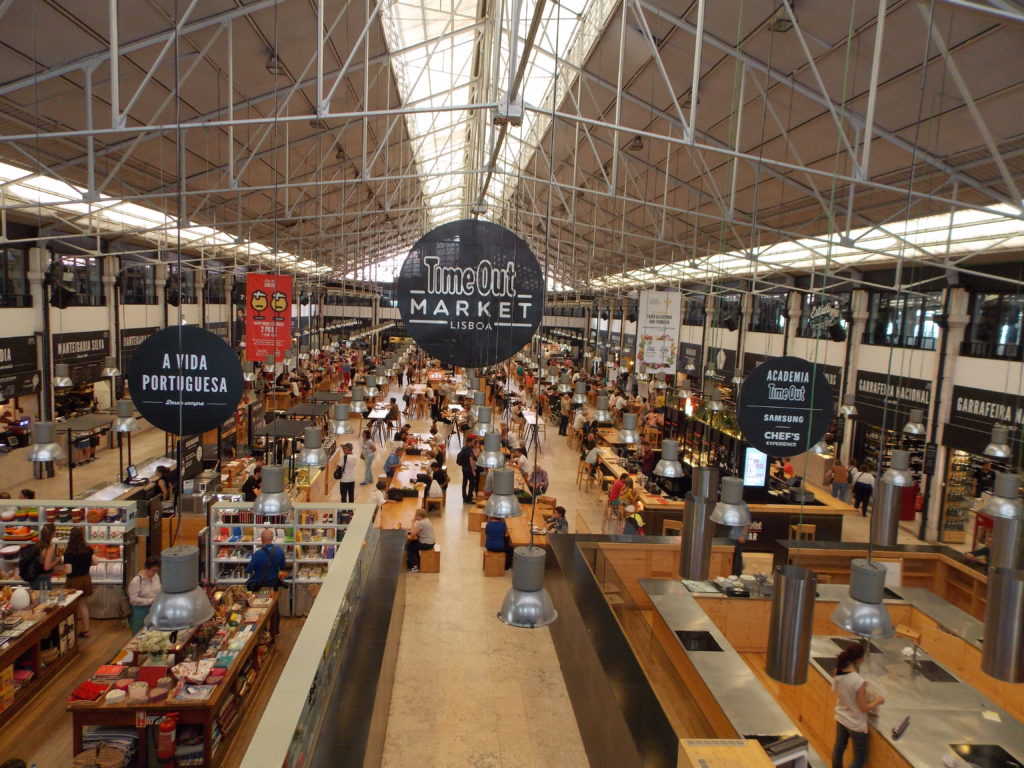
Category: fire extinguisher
[166,733]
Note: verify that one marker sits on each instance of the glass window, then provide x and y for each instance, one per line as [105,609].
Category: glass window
[183,283]
[138,284]
[996,327]
[84,275]
[214,289]
[693,310]
[821,312]
[899,320]
[14,288]
[727,311]
[768,314]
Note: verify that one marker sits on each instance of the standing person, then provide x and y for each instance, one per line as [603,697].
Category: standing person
[79,559]
[840,480]
[863,487]
[253,483]
[266,563]
[564,407]
[984,479]
[346,473]
[852,706]
[367,449]
[648,458]
[421,536]
[738,537]
[466,459]
[46,557]
[142,591]
[346,373]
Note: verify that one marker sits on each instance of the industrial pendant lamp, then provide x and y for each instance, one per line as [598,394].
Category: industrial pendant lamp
[668,465]
[1005,499]
[821,448]
[340,425]
[484,424]
[684,392]
[915,424]
[358,404]
[62,376]
[491,457]
[272,499]
[601,415]
[110,368]
[849,407]
[527,604]
[659,383]
[791,624]
[861,610]
[1002,654]
[269,363]
[885,518]
[312,453]
[565,384]
[125,421]
[248,371]
[552,374]
[502,502]
[371,386]
[628,434]
[44,446]
[999,446]
[579,397]
[731,509]
[182,603]
[479,403]
[715,403]
[737,379]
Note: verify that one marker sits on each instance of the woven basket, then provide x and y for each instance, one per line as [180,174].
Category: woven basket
[101,756]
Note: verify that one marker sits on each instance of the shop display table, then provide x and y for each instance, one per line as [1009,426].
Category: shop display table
[214,715]
[20,648]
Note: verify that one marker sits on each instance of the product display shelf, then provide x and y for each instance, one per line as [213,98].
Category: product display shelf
[960,501]
[210,718]
[111,535]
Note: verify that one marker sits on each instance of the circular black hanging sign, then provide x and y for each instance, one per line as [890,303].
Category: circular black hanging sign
[185,384]
[785,406]
[471,293]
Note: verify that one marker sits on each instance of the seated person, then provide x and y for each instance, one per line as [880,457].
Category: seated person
[380,493]
[518,460]
[557,522]
[394,416]
[438,483]
[393,460]
[421,536]
[283,382]
[537,481]
[496,539]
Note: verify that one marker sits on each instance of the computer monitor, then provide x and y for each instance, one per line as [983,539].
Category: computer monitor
[131,473]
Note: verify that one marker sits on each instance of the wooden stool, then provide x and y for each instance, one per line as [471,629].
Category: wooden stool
[434,502]
[494,563]
[672,528]
[582,474]
[803,531]
[476,519]
[430,560]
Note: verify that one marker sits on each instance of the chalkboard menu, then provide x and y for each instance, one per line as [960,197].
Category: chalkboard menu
[19,371]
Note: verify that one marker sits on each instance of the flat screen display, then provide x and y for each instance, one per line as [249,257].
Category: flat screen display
[755,467]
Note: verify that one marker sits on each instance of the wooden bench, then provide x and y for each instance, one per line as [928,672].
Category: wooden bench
[494,563]
[476,519]
[803,531]
[430,560]
[434,502]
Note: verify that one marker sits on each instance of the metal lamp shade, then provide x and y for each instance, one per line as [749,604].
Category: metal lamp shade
[62,376]
[601,414]
[272,499]
[358,404]
[659,384]
[915,423]
[312,454]
[731,509]
[861,611]
[552,374]
[1002,654]
[565,384]
[999,446]
[484,422]
[684,391]
[491,457]
[125,421]
[628,433]
[579,397]
[248,371]
[791,624]
[1005,499]
[668,465]
[479,403]
[503,502]
[341,425]
[849,407]
[269,363]
[181,603]
[885,519]
[527,604]
[44,446]
[371,386]
[715,403]
[110,367]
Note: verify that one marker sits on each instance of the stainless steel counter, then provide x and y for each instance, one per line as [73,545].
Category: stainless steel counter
[746,703]
[941,713]
[952,619]
[115,491]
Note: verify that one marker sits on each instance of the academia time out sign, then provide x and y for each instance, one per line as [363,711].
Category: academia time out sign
[785,406]
[185,380]
[471,293]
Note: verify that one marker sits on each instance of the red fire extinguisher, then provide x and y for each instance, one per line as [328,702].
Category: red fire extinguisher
[166,733]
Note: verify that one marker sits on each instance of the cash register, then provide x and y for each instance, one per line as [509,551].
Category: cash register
[131,476]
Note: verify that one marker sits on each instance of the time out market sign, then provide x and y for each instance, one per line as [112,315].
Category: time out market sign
[471,293]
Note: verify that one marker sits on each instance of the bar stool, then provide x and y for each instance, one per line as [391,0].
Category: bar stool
[803,531]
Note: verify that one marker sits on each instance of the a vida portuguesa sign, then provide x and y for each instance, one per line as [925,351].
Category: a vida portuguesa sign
[185,380]
[785,406]
[471,293]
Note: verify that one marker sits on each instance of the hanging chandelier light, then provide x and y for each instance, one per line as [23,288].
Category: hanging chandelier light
[668,465]
[527,604]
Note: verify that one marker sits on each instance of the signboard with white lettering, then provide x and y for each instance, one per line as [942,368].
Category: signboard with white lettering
[973,413]
[785,406]
[185,380]
[471,293]
[833,373]
[132,338]
[877,393]
[689,359]
[83,352]
[19,370]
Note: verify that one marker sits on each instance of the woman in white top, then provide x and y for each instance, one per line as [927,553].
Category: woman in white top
[142,591]
[852,706]
[863,487]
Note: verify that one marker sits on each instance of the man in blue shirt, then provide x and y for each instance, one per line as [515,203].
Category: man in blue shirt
[393,460]
[266,562]
[496,539]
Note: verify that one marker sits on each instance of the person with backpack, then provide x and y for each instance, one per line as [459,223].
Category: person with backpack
[266,564]
[36,563]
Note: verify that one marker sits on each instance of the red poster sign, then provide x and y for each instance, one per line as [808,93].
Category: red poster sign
[268,316]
